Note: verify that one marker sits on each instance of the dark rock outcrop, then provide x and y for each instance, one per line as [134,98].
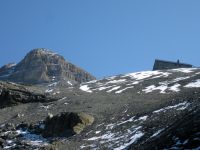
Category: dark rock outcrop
[41,65]
[11,94]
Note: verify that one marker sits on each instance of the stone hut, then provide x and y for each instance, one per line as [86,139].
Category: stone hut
[162,64]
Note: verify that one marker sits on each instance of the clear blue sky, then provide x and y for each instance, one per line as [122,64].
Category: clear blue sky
[105,37]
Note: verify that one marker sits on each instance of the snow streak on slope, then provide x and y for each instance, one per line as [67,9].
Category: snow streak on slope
[120,133]
[180,106]
[122,83]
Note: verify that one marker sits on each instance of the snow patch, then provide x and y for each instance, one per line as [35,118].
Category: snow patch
[195,84]
[88,146]
[110,126]
[27,137]
[129,120]
[85,88]
[104,88]
[157,133]
[62,99]
[152,88]
[97,132]
[53,84]
[93,81]
[120,91]
[133,83]
[114,89]
[134,138]
[184,70]
[46,107]
[103,137]
[181,78]
[48,90]
[48,52]
[175,88]
[55,93]
[162,88]
[111,78]
[146,74]
[116,81]
[68,82]
[9,147]
[143,118]
[33,139]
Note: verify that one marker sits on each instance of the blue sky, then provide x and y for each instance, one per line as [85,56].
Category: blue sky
[105,37]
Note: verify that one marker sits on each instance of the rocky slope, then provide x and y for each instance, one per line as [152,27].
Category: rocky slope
[142,110]
[42,65]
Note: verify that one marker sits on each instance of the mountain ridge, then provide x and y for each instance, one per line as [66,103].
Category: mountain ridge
[140,110]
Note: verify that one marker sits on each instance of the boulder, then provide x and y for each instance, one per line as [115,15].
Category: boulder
[66,124]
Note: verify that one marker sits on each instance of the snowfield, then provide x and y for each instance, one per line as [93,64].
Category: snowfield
[122,83]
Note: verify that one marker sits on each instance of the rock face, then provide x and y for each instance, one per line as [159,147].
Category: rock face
[42,65]
[6,70]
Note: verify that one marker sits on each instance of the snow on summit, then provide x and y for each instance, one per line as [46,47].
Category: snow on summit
[47,51]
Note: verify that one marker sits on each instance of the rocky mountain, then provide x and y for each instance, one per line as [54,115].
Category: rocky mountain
[143,110]
[42,65]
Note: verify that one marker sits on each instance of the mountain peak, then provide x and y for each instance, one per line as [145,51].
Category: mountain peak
[43,65]
[42,51]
